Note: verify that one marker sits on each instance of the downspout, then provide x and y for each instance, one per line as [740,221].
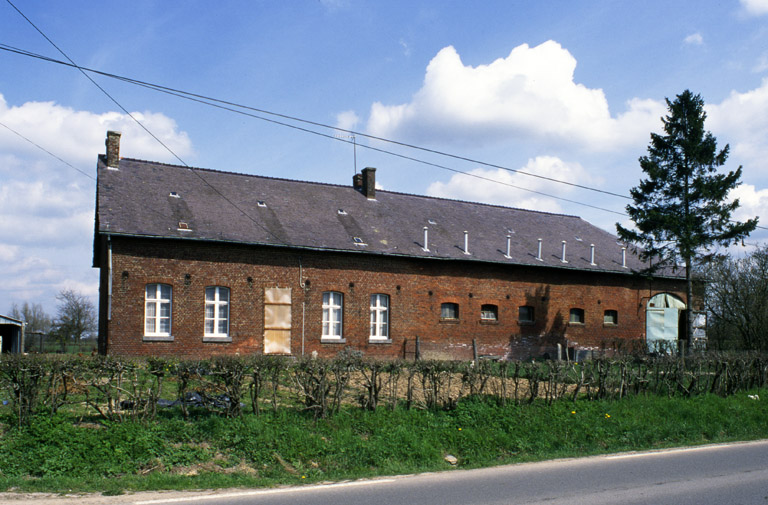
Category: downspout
[109,278]
[303,303]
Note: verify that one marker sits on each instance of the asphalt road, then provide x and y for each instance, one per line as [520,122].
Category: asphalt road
[711,475]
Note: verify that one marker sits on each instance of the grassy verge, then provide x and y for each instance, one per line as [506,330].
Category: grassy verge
[288,447]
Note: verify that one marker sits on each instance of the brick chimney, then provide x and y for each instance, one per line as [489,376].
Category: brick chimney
[369,183]
[113,149]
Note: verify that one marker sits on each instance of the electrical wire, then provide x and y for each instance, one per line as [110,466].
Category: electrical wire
[229,106]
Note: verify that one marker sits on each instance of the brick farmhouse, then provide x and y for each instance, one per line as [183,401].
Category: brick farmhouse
[197,262]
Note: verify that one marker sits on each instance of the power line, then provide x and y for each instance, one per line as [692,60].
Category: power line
[221,104]
[46,151]
[94,82]
[234,107]
[207,99]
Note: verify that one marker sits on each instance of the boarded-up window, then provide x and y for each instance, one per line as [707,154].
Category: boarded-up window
[277,321]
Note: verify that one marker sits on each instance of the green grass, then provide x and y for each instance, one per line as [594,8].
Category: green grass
[288,447]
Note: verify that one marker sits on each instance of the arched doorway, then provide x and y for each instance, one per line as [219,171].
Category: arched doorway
[663,322]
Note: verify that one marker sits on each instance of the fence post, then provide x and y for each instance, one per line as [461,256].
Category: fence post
[474,349]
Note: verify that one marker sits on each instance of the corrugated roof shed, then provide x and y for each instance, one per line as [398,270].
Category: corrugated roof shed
[150,199]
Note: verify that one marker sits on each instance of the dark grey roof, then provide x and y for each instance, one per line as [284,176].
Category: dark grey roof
[158,200]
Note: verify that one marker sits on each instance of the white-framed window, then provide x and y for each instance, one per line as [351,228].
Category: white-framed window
[449,311]
[489,312]
[611,317]
[157,310]
[576,316]
[216,311]
[333,304]
[379,317]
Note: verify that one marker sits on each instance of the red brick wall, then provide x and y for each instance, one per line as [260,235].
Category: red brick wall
[416,288]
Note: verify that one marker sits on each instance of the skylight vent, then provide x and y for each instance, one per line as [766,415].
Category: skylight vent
[358,241]
[431,221]
[578,239]
[261,203]
[342,212]
[174,194]
[183,226]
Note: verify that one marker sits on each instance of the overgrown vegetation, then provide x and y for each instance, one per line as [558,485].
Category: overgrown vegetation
[112,424]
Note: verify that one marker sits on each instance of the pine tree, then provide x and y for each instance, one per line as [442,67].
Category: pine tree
[681,210]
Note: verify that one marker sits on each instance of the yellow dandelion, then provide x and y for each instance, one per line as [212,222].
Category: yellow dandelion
[459,429]
[573,412]
[607,416]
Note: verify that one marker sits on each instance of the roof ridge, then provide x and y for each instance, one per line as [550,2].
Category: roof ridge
[329,184]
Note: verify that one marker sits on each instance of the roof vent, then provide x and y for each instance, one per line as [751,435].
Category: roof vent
[431,221]
[183,226]
[466,242]
[358,241]
[509,246]
[538,254]
[623,257]
[261,203]
[562,259]
[174,194]
[592,254]
[342,212]
[426,239]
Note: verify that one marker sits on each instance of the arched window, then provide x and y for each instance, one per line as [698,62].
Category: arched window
[333,304]
[449,311]
[576,316]
[216,311]
[489,312]
[157,310]
[379,317]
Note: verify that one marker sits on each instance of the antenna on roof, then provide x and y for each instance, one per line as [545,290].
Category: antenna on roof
[354,149]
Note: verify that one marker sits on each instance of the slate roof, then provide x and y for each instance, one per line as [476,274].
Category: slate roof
[149,199]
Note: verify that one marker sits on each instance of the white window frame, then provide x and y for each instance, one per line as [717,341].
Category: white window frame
[153,298]
[218,306]
[333,315]
[379,327]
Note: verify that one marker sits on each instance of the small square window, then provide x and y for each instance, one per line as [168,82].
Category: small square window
[576,316]
[449,311]
[525,314]
[611,317]
[489,312]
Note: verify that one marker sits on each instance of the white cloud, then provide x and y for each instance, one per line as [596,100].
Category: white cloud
[478,189]
[46,207]
[752,202]
[755,7]
[347,120]
[694,39]
[529,94]
[741,120]
[77,136]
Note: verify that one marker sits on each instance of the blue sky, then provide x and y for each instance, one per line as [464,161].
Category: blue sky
[569,90]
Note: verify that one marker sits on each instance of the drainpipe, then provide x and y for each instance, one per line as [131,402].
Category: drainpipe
[109,278]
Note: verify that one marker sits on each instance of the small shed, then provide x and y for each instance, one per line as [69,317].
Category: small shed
[11,335]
